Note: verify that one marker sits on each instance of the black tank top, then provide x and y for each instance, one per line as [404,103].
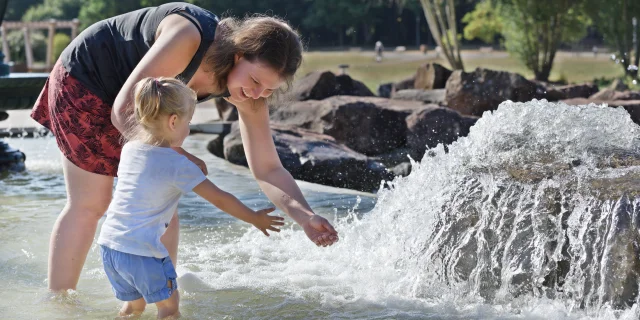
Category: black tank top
[103,56]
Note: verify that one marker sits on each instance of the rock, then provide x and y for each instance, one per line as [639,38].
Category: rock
[226,110]
[404,84]
[385,90]
[402,169]
[431,76]
[557,93]
[321,85]
[618,85]
[369,125]
[632,106]
[316,158]
[429,127]
[11,160]
[612,95]
[216,146]
[483,90]
[436,96]
[394,157]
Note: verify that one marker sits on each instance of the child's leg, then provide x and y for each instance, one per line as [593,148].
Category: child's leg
[135,307]
[168,308]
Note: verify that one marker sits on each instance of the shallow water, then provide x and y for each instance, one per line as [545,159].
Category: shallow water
[382,268]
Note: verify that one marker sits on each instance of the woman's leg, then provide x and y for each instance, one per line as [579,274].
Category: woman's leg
[88,197]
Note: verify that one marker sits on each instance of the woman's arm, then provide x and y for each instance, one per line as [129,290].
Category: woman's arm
[177,40]
[276,182]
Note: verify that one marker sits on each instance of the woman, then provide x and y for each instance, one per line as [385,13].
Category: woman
[88,97]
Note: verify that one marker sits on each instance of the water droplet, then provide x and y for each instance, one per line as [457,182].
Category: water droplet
[613,57]
[634,82]
[632,67]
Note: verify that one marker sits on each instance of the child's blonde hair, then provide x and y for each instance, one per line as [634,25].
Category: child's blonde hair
[155,98]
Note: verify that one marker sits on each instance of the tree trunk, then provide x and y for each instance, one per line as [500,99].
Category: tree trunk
[544,72]
[441,21]
[636,37]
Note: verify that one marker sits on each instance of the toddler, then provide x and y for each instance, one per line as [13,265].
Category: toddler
[152,177]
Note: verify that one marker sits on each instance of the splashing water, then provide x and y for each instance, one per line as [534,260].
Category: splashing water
[533,215]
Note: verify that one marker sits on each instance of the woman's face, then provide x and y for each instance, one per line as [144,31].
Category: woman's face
[251,80]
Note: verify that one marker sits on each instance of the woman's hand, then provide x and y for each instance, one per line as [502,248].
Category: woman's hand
[194,159]
[263,221]
[320,231]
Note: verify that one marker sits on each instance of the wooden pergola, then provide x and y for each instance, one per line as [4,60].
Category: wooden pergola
[26,27]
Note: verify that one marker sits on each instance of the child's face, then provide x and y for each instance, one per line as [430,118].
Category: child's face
[180,129]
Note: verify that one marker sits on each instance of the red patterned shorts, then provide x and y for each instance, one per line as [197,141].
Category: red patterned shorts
[80,121]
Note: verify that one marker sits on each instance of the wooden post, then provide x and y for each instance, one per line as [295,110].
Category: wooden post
[74,28]
[52,31]
[5,44]
[27,47]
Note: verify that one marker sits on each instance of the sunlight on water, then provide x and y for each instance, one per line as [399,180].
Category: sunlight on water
[532,216]
[475,232]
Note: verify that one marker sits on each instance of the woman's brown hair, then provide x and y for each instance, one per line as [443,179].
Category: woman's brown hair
[268,40]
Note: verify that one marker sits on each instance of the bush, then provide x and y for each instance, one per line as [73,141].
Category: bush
[60,41]
[16,46]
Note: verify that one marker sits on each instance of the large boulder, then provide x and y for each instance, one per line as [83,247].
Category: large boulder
[431,76]
[436,96]
[406,83]
[618,85]
[316,158]
[483,90]
[386,90]
[632,106]
[434,125]
[557,93]
[216,146]
[226,110]
[368,125]
[320,85]
[613,95]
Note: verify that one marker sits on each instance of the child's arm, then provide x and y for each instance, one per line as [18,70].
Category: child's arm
[231,205]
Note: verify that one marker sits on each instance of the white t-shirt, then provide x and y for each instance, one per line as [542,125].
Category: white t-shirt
[151,180]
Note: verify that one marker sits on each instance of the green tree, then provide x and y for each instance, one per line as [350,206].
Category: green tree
[482,23]
[339,16]
[93,11]
[17,8]
[60,42]
[619,22]
[532,29]
[53,9]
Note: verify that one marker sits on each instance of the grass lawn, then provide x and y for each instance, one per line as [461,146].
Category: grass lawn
[396,66]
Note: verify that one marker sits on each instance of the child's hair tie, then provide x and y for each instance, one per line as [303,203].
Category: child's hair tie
[158,85]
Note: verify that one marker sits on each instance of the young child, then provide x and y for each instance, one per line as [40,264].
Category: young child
[151,179]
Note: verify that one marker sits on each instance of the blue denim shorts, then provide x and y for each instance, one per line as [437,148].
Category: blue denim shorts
[133,277]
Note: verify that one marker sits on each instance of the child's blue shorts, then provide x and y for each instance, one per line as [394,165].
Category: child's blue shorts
[134,277]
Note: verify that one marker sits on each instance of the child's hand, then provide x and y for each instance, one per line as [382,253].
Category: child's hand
[264,221]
